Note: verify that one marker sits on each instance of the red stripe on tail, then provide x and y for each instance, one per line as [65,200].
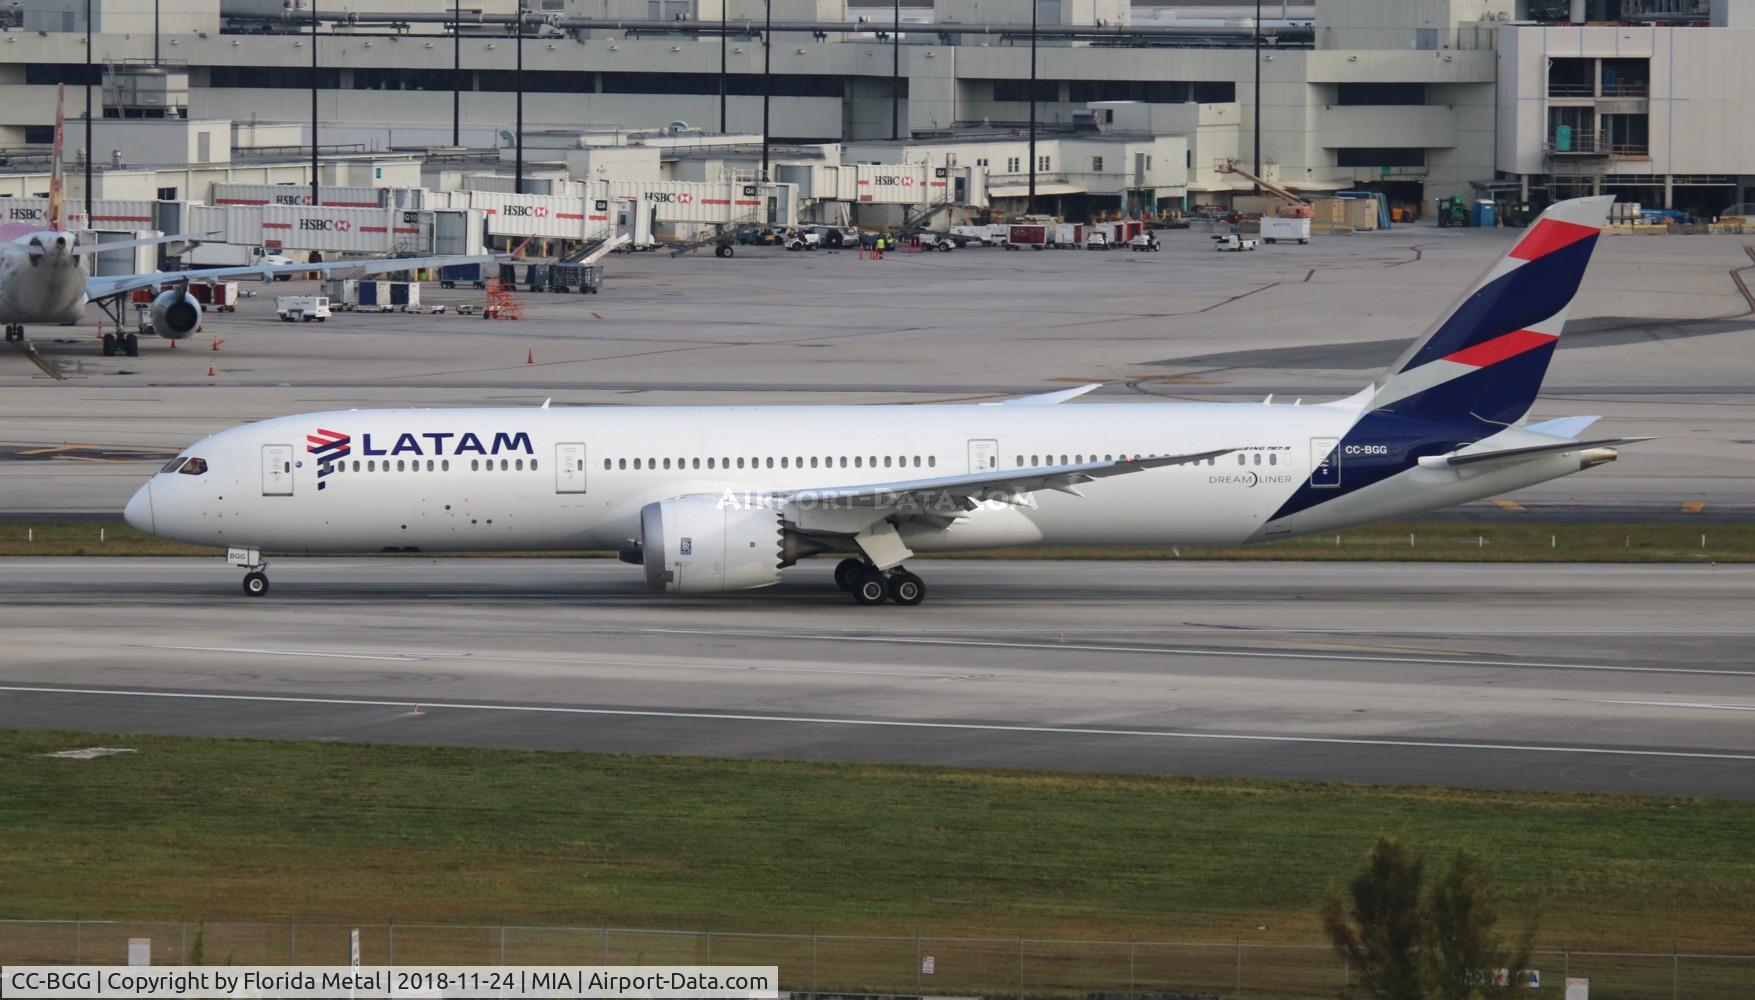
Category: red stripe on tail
[1548,236]
[1509,345]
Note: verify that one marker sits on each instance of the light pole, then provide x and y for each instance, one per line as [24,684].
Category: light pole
[722,5]
[767,79]
[88,149]
[315,193]
[896,69]
[518,133]
[1030,202]
[457,72]
[1258,95]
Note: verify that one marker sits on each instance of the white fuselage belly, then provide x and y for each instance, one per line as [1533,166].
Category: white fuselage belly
[52,290]
[393,500]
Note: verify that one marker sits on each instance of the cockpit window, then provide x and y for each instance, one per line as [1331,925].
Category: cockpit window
[171,466]
[195,467]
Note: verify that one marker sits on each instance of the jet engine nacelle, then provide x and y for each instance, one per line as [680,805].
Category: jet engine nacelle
[175,314]
[703,544]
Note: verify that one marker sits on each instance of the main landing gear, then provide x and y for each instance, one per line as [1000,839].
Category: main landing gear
[127,343]
[14,333]
[869,585]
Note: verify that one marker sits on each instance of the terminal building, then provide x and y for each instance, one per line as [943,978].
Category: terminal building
[1136,105]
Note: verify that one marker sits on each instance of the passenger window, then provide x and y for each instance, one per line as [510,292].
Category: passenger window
[475,465]
[356,465]
[709,463]
[843,461]
[194,467]
[445,465]
[917,460]
[621,463]
[1273,459]
[1258,458]
[533,465]
[372,465]
[504,465]
[813,461]
[1241,459]
[520,465]
[694,463]
[667,463]
[429,465]
[606,465]
[770,461]
[858,461]
[171,466]
[783,461]
[932,460]
[740,463]
[636,464]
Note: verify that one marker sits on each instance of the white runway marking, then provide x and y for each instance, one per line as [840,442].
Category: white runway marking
[1678,704]
[1257,654]
[414,657]
[428,707]
[338,654]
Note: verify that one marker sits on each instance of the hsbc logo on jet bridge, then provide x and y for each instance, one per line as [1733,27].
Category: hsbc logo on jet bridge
[671,197]
[325,225]
[893,181]
[529,211]
[30,214]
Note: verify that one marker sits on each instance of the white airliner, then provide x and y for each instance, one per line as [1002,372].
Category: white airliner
[43,278]
[724,498]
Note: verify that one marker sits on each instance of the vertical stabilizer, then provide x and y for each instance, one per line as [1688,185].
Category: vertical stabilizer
[1484,360]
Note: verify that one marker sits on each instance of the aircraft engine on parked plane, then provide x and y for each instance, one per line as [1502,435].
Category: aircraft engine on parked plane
[175,314]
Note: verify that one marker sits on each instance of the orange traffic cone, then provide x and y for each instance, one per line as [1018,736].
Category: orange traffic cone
[530,357]
[173,345]
[215,343]
[210,371]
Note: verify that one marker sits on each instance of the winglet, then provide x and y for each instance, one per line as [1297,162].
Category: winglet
[1052,398]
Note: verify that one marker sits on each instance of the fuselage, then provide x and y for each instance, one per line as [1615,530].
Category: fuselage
[577,478]
[42,279]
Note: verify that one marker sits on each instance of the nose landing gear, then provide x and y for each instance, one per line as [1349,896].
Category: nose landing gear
[256,580]
[14,333]
[869,585]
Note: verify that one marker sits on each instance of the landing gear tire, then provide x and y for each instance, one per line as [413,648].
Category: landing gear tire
[109,345]
[846,571]
[870,587]
[131,345]
[906,588]
[724,251]
[255,584]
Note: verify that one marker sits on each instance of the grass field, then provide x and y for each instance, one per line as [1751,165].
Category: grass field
[216,830]
[1401,541]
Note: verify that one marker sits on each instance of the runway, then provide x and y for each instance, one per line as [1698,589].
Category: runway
[1623,678]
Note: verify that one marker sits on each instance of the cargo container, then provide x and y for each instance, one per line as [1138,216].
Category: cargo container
[1068,235]
[1026,234]
[587,278]
[1277,230]
[452,274]
[531,276]
[388,296]
[216,296]
[343,293]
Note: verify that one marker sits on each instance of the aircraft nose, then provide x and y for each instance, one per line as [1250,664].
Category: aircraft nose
[138,513]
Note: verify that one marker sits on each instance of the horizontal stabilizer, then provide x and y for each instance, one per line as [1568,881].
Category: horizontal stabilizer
[1456,460]
[1563,427]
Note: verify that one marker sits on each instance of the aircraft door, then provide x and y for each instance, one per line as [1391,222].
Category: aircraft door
[983,455]
[277,477]
[570,468]
[1325,463]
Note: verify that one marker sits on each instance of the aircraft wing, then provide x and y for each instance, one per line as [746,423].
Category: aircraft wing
[953,494]
[104,287]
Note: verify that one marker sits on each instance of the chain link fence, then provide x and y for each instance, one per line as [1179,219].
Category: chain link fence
[1011,967]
